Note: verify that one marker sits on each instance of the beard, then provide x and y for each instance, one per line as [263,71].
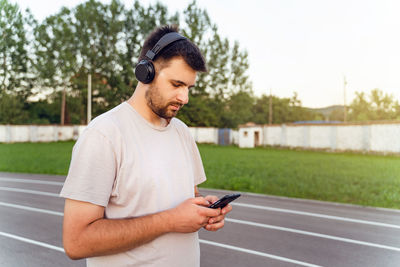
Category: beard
[158,105]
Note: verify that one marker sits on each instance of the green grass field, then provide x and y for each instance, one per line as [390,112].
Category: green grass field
[368,180]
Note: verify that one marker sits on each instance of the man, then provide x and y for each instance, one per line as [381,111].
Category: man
[131,190]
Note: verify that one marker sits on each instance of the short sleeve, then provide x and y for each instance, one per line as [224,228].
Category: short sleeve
[92,170]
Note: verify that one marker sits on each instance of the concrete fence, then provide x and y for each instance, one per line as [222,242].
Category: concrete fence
[379,137]
[39,133]
[53,133]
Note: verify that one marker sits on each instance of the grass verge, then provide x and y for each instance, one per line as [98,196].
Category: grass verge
[369,180]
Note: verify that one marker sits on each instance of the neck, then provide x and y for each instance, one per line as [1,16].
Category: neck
[139,103]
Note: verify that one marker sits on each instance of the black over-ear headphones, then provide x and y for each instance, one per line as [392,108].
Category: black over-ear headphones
[144,70]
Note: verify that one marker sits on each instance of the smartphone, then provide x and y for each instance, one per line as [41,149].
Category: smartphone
[223,201]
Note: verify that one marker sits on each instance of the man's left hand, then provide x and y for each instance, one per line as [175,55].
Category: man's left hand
[216,223]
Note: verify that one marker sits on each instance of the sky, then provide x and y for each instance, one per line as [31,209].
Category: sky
[302,46]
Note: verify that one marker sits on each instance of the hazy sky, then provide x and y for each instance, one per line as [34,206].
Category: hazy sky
[303,46]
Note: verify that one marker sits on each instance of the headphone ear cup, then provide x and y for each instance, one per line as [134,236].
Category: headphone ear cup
[145,71]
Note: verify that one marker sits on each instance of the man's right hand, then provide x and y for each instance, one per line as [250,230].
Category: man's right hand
[191,215]
[87,233]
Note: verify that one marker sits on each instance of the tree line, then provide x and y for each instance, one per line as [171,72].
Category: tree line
[43,64]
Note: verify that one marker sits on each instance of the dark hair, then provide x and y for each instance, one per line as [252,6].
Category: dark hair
[184,48]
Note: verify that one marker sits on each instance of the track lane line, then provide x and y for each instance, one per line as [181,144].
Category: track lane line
[249,251]
[253,252]
[5,204]
[268,208]
[258,253]
[31,241]
[29,181]
[342,239]
[34,192]
[318,215]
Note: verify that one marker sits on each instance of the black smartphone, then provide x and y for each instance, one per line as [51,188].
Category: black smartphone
[223,201]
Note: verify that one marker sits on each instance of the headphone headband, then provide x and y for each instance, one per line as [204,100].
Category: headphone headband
[163,42]
[144,70]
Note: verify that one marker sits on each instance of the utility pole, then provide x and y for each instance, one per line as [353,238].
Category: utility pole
[63,107]
[270,107]
[344,99]
[89,99]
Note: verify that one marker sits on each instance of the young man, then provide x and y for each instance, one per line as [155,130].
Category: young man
[131,190]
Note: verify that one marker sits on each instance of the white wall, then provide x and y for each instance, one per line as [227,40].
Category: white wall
[36,133]
[295,136]
[272,135]
[386,137]
[368,137]
[351,138]
[319,136]
[53,133]
[234,138]
[204,134]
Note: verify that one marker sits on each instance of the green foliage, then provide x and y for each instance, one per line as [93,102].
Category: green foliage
[14,60]
[376,106]
[283,110]
[199,112]
[12,109]
[238,110]
[98,39]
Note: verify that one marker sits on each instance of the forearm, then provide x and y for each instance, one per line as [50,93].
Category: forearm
[87,233]
[110,236]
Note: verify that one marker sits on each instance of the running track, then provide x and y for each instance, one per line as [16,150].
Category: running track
[260,231]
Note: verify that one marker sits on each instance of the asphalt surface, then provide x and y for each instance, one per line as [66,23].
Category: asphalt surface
[260,231]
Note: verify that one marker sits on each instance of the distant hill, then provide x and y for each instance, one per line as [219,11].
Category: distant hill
[331,112]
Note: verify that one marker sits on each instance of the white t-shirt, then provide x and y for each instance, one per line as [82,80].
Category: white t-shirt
[133,168]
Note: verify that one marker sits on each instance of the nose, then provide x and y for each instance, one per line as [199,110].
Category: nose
[183,95]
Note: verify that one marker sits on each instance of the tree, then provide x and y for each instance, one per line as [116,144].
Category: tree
[97,39]
[55,53]
[360,109]
[284,110]
[227,66]
[383,105]
[12,109]
[376,106]
[238,110]
[15,74]
[239,64]
[14,60]
[104,40]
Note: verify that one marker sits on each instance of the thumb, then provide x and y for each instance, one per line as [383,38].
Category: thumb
[200,201]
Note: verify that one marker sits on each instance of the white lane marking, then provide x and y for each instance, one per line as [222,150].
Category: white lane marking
[31,209]
[258,253]
[249,251]
[29,181]
[11,189]
[319,215]
[312,234]
[240,222]
[31,241]
[242,205]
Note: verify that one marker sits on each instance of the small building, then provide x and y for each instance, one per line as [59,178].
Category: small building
[250,135]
